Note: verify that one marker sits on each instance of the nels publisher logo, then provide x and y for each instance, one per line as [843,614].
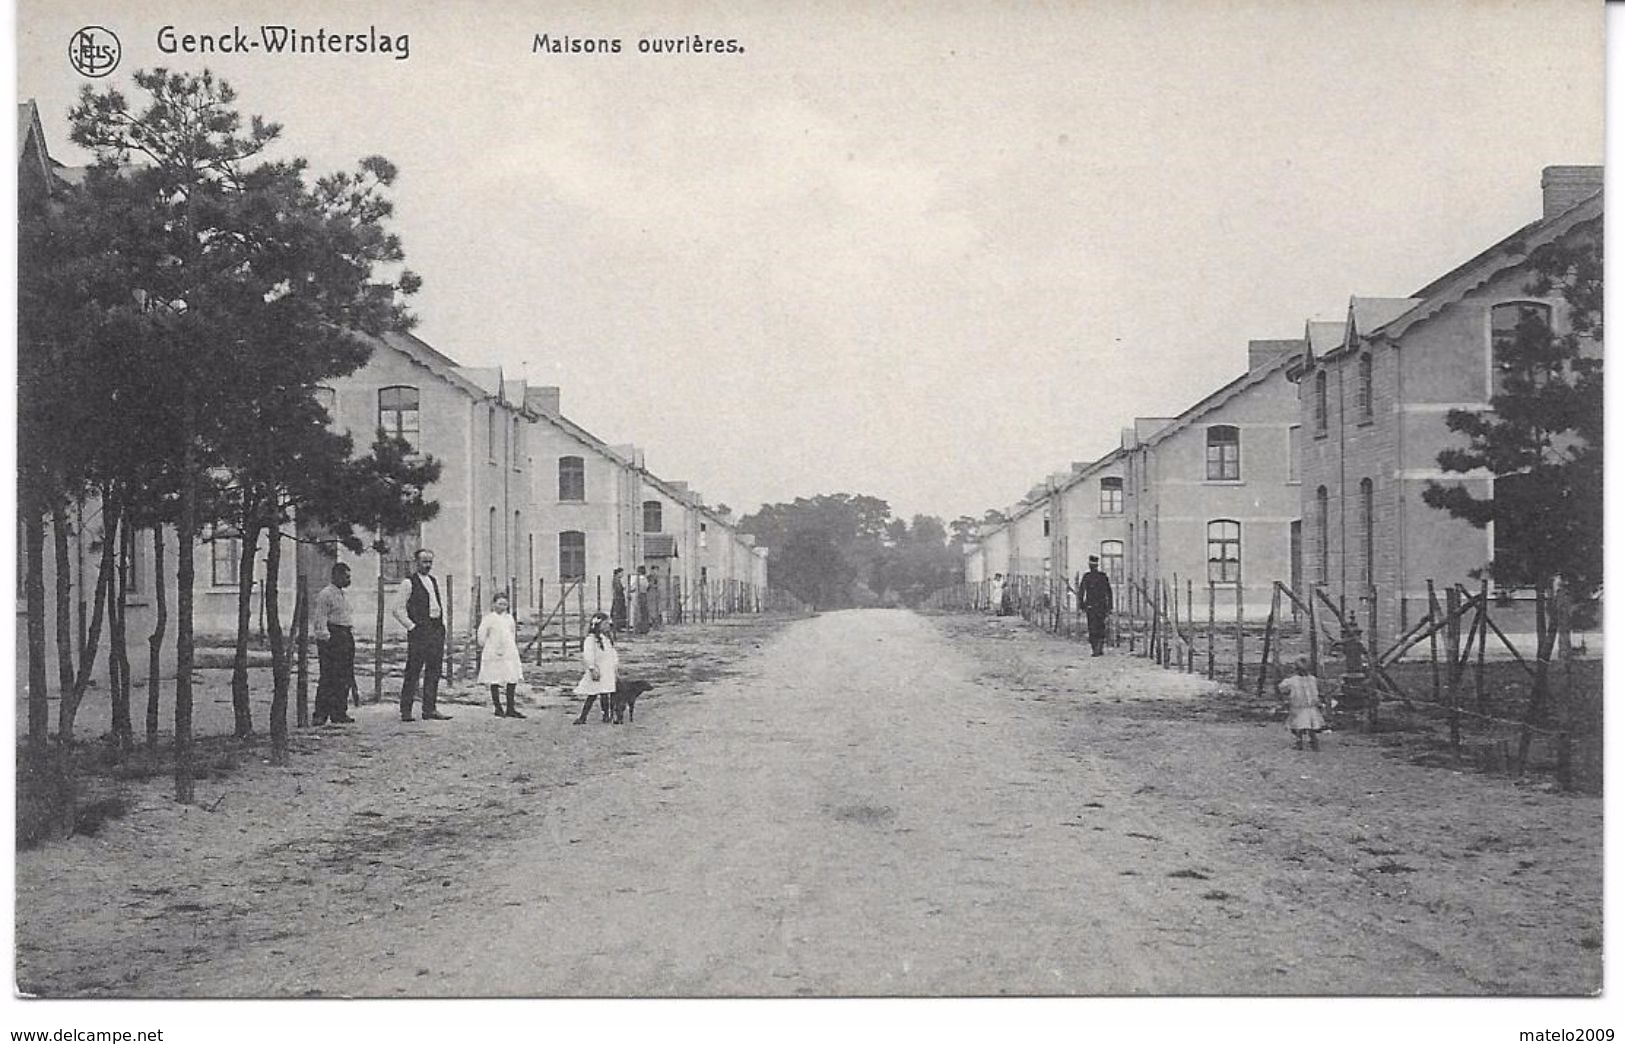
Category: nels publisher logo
[94,51]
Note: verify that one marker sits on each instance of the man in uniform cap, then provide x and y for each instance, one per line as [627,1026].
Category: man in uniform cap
[1095,597]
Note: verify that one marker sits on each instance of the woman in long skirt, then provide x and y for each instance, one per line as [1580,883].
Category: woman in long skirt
[598,653]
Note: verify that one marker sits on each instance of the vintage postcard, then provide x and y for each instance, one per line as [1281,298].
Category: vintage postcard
[825,500]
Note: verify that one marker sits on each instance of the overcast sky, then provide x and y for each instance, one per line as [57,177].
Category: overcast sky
[929,256]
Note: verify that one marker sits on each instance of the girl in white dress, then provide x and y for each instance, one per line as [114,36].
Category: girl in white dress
[499,655]
[598,653]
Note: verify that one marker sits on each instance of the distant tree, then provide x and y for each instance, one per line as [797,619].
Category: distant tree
[963,530]
[994,517]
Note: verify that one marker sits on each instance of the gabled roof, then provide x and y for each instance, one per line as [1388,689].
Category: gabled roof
[1324,335]
[1474,273]
[1083,472]
[1251,379]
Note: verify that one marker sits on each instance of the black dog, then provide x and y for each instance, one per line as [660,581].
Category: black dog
[625,698]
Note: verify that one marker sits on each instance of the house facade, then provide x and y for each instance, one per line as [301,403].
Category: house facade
[1211,496]
[1373,405]
[1087,517]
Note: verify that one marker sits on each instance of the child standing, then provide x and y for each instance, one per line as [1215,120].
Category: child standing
[598,653]
[499,654]
[1303,705]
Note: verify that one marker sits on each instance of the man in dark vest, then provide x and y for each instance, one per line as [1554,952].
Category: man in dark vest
[422,613]
[617,600]
[1095,598]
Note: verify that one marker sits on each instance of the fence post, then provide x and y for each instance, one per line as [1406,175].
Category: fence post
[1173,602]
[1241,644]
[1483,627]
[1433,640]
[1452,601]
[1190,627]
[378,638]
[450,664]
[1269,637]
[1212,606]
[301,637]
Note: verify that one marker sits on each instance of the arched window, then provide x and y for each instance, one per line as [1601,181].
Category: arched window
[572,478]
[1224,551]
[492,543]
[1362,390]
[1529,321]
[398,413]
[225,555]
[651,517]
[572,555]
[1111,496]
[517,537]
[1320,402]
[1323,538]
[1224,453]
[328,400]
[1111,560]
[1368,530]
[398,551]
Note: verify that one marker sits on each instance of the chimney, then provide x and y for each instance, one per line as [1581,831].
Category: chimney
[543,400]
[1263,353]
[629,452]
[1563,187]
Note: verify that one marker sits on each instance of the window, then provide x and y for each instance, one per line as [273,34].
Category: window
[1323,538]
[572,479]
[1320,402]
[327,399]
[1294,451]
[572,555]
[1224,453]
[1111,496]
[1368,534]
[1111,560]
[1509,322]
[1362,390]
[1046,524]
[398,552]
[491,546]
[518,549]
[398,413]
[518,448]
[1224,551]
[702,534]
[651,517]
[225,551]
[491,434]
[1512,534]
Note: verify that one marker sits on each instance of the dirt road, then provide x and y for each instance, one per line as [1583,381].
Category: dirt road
[868,803]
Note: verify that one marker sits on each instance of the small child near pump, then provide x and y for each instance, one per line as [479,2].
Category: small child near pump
[1304,708]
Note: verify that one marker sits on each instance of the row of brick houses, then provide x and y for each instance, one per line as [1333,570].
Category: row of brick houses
[1309,467]
[529,500]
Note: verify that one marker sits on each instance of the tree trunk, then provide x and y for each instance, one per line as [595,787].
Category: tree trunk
[378,638]
[301,641]
[155,644]
[64,599]
[39,697]
[242,710]
[279,648]
[186,539]
[87,655]
[118,656]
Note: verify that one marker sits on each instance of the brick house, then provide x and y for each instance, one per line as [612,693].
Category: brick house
[1212,494]
[1373,403]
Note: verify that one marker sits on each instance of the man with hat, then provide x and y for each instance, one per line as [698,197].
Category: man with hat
[1095,598]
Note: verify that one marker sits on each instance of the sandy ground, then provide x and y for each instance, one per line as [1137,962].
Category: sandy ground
[859,803]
